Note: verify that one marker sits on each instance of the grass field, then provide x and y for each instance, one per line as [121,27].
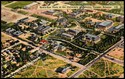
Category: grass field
[117,53]
[88,74]
[23,12]
[19,4]
[42,69]
[5,2]
[61,53]
[103,69]
[72,71]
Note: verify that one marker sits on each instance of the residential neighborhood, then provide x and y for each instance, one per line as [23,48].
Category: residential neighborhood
[62,39]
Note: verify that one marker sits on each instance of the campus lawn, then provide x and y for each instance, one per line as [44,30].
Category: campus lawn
[19,4]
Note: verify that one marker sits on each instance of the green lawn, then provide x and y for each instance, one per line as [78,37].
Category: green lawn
[22,12]
[19,4]
[41,17]
[116,23]
[61,53]
[5,2]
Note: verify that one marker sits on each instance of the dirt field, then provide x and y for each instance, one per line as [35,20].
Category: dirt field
[117,53]
[93,19]
[103,69]
[39,12]
[4,38]
[9,16]
[24,36]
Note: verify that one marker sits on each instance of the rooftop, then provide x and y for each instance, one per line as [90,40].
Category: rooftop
[27,6]
[119,26]
[68,35]
[90,36]
[105,23]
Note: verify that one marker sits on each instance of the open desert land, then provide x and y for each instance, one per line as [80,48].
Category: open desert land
[103,69]
[12,17]
[4,38]
[19,4]
[44,69]
[40,13]
[117,53]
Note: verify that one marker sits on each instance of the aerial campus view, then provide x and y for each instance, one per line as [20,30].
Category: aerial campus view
[62,39]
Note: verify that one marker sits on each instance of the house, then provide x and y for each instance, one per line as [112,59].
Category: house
[55,48]
[78,55]
[109,16]
[44,29]
[72,32]
[62,70]
[10,30]
[17,33]
[104,25]
[67,36]
[110,30]
[43,22]
[49,12]
[43,41]
[115,29]
[59,48]
[91,37]
[120,19]
[13,32]
[97,23]
[119,27]
[75,59]
[62,21]
[90,23]
[23,20]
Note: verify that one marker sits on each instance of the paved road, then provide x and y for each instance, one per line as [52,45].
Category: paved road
[120,62]
[76,74]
